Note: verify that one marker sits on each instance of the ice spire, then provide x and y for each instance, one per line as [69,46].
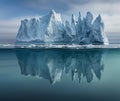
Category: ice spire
[98,26]
[73,25]
[79,25]
[89,18]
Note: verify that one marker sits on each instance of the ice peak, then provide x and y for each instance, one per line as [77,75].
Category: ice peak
[73,18]
[98,21]
[99,18]
[79,17]
[54,15]
[79,14]
[53,11]
[89,16]
[89,13]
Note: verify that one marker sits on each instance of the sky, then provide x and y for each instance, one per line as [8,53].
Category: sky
[13,11]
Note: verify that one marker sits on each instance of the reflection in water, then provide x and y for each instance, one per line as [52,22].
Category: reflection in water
[52,64]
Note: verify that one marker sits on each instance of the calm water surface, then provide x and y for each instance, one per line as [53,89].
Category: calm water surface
[60,75]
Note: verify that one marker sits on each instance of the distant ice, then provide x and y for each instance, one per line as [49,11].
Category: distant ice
[52,46]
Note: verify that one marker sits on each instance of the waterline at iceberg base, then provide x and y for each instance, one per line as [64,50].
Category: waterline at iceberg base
[51,29]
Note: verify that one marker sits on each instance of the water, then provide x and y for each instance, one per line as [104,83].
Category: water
[59,75]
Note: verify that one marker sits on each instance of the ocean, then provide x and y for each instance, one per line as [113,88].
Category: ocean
[59,74]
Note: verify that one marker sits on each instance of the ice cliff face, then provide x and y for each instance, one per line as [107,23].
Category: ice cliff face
[53,64]
[46,29]
[51,29]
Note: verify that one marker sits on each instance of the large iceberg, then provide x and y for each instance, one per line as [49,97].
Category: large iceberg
[51,29]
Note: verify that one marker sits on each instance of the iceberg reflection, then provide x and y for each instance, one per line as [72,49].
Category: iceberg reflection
[52,64]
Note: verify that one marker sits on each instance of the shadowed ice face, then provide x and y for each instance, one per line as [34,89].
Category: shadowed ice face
[52,64]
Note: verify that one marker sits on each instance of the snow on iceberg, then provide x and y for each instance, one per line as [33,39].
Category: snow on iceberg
[51,29]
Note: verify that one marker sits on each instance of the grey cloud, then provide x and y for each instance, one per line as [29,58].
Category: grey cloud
[62,5]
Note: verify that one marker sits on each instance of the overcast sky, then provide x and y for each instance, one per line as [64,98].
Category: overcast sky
[12,11]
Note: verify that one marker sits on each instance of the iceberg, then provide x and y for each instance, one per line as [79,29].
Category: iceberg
[51,29]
